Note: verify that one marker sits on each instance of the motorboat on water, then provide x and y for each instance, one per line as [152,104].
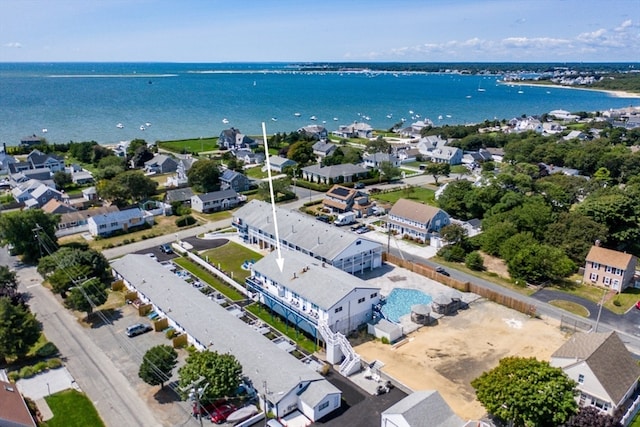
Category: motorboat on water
[313,118]
[296,114]
[142,127]
[273,119]
[225,121]
[45,130]
[147,124]
[120,126]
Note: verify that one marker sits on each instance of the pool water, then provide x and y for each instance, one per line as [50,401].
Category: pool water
[399,303]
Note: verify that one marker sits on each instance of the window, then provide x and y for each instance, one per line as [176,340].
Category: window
[338,310]
[606,280]
[361,300]
[580,379]
[323,406]
[373,295]
[595,265]
[593,277]
[608,269]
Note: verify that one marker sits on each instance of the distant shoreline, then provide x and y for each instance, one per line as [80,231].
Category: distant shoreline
[614,93]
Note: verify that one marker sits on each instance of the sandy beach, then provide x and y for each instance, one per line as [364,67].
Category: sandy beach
[614,93]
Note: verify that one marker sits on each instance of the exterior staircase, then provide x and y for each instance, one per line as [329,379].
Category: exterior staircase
[351,363]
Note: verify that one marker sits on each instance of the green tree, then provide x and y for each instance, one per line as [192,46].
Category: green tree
[492,238]
[527,392]
[436,170]
[130,185]
[301,152]
[204,176]
[222,372]
[86,296]
[474,261]
[454,234]
[17,229]
[65,267]
[388,171]
[19,329]
[9,284]
[378,145]
[62,179]
[109,167]
[511,246]
[280,187]
[157,365]
[453,199]
[134,145]
[574,233]
[540,263]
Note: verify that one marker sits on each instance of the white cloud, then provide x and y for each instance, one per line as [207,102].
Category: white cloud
[626,24]
[15,45]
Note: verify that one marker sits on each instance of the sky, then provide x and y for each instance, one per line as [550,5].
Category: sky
[319,31]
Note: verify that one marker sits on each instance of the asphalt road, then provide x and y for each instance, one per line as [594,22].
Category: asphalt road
[111,392]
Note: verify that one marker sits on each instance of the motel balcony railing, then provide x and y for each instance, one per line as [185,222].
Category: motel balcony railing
[256,285]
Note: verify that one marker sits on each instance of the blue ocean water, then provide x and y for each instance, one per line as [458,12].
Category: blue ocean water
[85,101]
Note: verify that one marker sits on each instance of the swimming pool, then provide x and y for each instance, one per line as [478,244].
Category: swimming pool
[400,300]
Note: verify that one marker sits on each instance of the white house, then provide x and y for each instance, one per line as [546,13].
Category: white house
[332,245]
[215,201]
[278,163]
[376,159]
[354,130]
[606,373]
[285,384]
[416,220]
[111,222]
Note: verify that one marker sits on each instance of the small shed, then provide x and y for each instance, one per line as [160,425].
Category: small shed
[384,328]
[447,303]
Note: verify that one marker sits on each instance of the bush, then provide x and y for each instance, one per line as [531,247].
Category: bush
[170,333]
[54,363]
[40,366]
[184,221]
[454,253]
[14,376]
[617,302]
[474,261]
[26,372]
[48,349]
[384,340]
[183,210]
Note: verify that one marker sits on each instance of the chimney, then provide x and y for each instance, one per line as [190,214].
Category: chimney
[598,243]
[294,275]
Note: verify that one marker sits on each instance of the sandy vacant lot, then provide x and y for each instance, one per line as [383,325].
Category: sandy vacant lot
[448,356]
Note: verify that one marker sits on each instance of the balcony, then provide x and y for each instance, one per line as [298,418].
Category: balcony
[288,305]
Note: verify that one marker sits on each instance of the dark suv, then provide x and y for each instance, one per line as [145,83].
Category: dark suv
[442,271]
[166,248]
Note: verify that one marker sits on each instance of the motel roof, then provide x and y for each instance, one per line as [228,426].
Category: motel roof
[315,281]
[209,323]
[319,238]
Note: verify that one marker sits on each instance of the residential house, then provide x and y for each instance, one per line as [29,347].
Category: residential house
[41,175]
[286,384]
[234,139]
[54,206]
[31,140]
[416,220]
[526,124]
[408,154]
[497,154]
[354,130]
[430,142]
[445,154]
[40,160]
[576,134]
[82,177]
[312,291]
[376,159]
[421,408]
[43,193]
[215,201]
[234,180]
[120,150]
[119,221]
[476,158]
[80,219]
[605,372]
[323,149]
[13,408]
[17,167]
[314,131]
[180,178]
[161,163]
[278,164]
[610,269]
[248,157]
[182,195]
[300,232]
[346,172]
[341,199]
[563,115]
[5,161]
[415,129]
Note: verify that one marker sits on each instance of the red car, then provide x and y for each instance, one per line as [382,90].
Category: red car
[638,305]
[220,413]
[207,409]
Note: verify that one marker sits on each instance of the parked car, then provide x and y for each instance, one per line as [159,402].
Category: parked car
[206,409]
[442,271]
[220,413]
[166,248]
[137,329]
[638,305]
[358,186]
[152,256]
[323,218]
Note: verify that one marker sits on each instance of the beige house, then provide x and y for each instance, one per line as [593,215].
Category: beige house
[606,373]
[610,269]
[415,220]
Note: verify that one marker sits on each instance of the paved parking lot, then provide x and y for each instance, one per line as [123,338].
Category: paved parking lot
[127,354]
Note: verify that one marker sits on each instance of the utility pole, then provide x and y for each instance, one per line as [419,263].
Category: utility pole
[604,294]
[264,402]
[195,395]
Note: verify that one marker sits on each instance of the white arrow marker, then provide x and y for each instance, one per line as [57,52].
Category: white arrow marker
[279,260]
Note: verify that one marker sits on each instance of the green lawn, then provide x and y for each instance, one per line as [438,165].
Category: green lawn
[419,194]
[196,145]
[571,307]
[72,409]
[256,173]
[635,422]
[230,257]
[625,299]
[278,323]
[209,279]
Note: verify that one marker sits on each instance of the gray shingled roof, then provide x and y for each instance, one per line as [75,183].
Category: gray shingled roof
[208,322]
[335,171]
[608,358]
[324,286]
[425,408]
[218,195]
[324,240]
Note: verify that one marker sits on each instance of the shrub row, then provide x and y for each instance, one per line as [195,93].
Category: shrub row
[30,371]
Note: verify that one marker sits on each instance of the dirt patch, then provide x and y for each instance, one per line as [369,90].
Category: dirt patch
[495,265]
[448,356]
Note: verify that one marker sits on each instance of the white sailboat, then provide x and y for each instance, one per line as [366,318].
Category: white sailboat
[225,121]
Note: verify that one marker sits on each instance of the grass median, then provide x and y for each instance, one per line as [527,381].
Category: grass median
[209,279]
[72,409]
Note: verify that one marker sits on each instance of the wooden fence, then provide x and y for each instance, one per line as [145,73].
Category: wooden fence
[426,271]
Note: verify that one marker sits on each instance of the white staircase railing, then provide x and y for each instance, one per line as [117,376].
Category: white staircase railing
[351,362]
